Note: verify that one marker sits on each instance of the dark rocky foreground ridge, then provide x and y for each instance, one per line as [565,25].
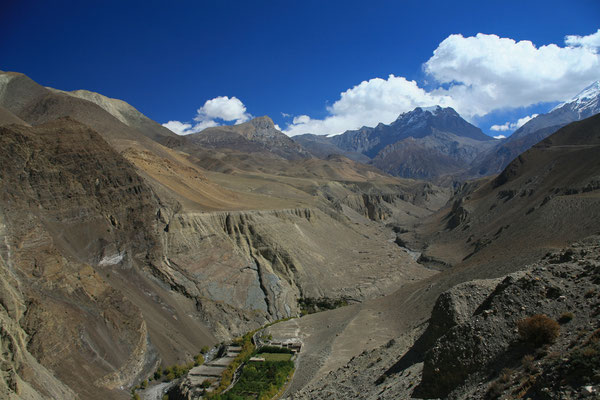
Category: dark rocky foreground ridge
[472,347]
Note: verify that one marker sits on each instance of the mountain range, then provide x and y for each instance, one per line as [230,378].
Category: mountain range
[126,249]
[425,143]
[438,144]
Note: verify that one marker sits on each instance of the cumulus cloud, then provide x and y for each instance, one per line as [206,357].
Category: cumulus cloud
[592,40]
[474,75]
[500,128]
[511,126]
[179,128]
[487,72]
[213,113]
[500,137]
[225,108]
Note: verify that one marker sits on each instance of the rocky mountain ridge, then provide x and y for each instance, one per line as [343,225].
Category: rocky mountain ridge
[258,135]
[424,143]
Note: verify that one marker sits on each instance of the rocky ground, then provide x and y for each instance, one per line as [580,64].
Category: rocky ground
[473,347]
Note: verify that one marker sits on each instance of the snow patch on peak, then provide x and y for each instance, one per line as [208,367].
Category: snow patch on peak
[589,92]
[433,109]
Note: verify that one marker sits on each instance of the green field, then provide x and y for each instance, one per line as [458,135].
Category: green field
[275,356]
[260,380]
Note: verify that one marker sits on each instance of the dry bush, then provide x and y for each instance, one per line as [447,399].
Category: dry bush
[538,330]
[528,363]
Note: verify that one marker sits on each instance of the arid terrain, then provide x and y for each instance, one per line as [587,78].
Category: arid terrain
[125,247]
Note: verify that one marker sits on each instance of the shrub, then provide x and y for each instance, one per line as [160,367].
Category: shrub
[275,349]
[204,350]
[199,360]
[205,384]
[170,376]
[565,317]
[538,330]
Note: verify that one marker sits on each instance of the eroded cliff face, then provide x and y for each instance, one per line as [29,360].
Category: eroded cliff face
[259,263]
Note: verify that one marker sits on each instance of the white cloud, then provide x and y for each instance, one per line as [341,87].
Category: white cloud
[487,72]
[225,108]
[500,137]
[500,128]
[179,128]
[511,126]
[479,74]
[592,40]
[222,108]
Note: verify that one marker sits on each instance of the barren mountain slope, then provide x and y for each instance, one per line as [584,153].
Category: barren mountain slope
[128,115]
[78,223]
[546,196]
[6,118]
[153,257]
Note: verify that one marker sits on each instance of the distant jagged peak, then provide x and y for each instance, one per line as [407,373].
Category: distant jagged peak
[430,110]
[259,127]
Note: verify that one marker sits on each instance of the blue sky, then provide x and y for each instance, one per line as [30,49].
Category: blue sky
[296,57]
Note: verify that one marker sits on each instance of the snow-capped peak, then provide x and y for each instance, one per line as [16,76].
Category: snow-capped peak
[585,99]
